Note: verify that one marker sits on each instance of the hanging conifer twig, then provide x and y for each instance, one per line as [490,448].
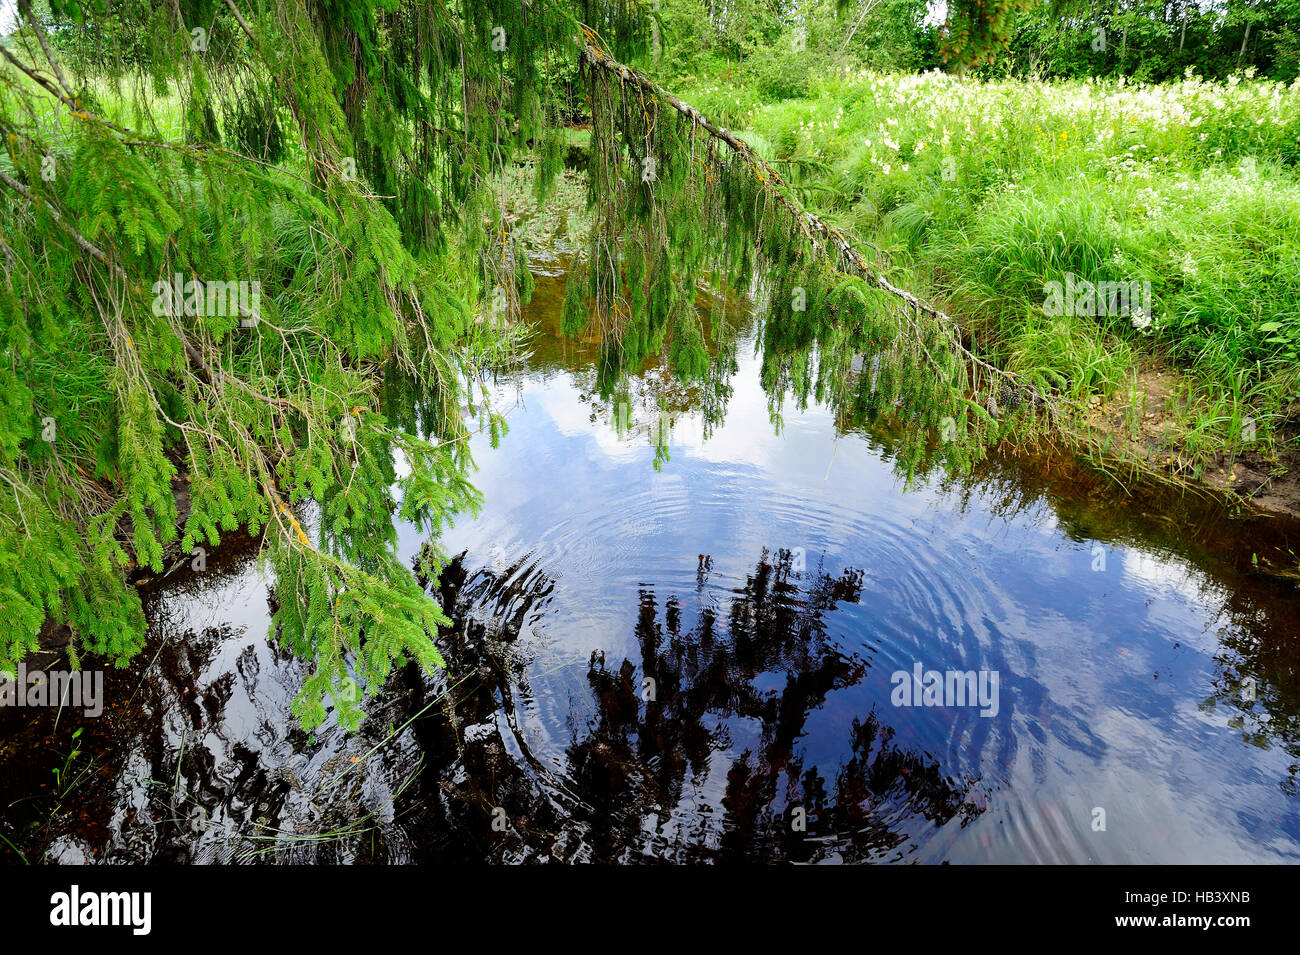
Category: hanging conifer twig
[816,230]
[354,217]
[681,200]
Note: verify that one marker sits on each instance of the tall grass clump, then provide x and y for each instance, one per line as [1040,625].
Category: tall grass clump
[984,192]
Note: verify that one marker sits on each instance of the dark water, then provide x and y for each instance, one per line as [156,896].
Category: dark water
[769,584]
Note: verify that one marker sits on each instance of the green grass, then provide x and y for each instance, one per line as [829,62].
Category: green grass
[983,192]
[1064,356]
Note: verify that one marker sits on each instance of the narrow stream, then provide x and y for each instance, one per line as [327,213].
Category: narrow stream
[697,661]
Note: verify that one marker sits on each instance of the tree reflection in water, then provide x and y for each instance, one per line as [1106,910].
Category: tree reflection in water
[661,734]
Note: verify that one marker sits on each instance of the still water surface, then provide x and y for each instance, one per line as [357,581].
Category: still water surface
[696,661]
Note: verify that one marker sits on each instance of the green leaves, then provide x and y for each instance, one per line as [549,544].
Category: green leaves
[1284,335]
[366,244]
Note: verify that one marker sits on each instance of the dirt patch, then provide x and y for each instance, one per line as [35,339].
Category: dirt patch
[1270,483]
[1144,428]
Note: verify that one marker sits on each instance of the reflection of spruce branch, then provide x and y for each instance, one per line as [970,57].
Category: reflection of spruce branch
[641,756]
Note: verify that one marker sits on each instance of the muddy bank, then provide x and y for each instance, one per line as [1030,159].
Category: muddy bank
[1140,432]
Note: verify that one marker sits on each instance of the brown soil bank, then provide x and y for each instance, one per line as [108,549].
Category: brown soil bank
[1144,432]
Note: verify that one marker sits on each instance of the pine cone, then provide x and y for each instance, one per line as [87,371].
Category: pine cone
[1009,397]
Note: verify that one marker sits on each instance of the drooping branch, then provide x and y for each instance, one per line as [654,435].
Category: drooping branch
[25,8]
[94,251]
[819,233]
[200,365]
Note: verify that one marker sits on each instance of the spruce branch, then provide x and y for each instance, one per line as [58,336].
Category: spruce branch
[817,232]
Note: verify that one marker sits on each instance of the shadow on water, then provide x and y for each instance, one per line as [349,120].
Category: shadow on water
[678,632]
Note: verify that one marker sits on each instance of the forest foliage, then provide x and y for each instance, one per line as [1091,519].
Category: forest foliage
[749,42]
[330,167]
[242,239]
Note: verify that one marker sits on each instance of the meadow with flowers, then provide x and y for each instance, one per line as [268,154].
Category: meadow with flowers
[980,192]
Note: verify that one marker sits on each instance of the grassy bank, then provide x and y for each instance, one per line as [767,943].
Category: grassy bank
[983,194]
